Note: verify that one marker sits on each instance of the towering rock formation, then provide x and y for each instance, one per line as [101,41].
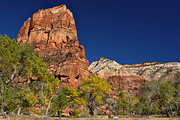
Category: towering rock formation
[53,34]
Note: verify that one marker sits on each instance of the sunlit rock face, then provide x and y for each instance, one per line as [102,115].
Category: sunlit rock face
[131,77]
[120,78]
[156,70]
[53,34]
[148,70]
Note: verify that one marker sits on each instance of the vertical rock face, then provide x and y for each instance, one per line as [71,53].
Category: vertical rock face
[53,34]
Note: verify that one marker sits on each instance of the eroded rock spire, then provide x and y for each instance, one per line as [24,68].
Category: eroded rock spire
[53,34]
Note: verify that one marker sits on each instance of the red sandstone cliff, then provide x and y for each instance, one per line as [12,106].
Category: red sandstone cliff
[53,34]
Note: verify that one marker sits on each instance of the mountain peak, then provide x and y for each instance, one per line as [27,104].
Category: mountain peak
[53,34]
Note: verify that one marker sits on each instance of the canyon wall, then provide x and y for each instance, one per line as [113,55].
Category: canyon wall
[149,70]
[132,77]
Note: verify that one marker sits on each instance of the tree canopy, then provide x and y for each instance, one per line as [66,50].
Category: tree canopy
[94,89]
[26,86]
[23,73]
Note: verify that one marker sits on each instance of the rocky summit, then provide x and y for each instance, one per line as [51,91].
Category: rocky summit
[53,34]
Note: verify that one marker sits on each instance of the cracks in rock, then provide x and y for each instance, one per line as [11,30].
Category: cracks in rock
[100,61]
[51,26]
[103,61]
[60,76]
[69,23]
[55,44]
[30,28]
[61,26]
[47,38]
[77,77]
[105,67]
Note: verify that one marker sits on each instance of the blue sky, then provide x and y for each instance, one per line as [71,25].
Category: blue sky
[127,31]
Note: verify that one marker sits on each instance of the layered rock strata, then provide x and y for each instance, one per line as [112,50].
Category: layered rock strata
[120,79]
[132,77]
[148,70]
[53,34]
[156,70]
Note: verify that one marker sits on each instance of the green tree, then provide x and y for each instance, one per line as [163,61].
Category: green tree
[9,54]
[94,88]
[177,97]
[146,104]
[128,101]
[9,102]
[20,64]
[51,84]
[167,92]
[24,96]
[112,104]
[60,100]
[149,100]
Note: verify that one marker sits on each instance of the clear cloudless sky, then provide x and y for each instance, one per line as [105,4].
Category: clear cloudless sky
[127,31]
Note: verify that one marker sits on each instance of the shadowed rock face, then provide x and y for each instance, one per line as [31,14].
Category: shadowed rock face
[126,83]
[53,34]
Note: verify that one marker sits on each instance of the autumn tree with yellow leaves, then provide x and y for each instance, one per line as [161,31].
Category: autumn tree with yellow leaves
[94,89]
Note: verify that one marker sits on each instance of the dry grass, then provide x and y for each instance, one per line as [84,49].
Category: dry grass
[37,117]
